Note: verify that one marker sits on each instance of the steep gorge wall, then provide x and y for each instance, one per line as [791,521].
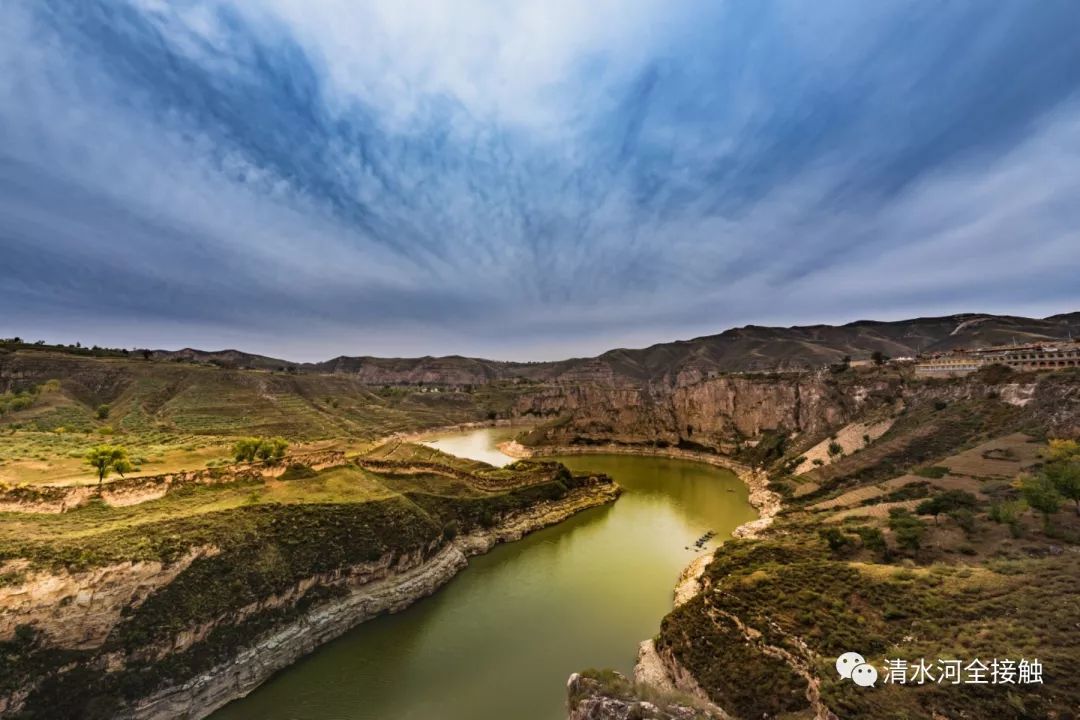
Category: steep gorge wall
[712,412]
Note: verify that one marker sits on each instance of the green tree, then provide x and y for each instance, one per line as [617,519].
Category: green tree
[1041,495]
[108,458]
[103,411]
[1065,476]
[272,449]
[836,450]
[949,502]
[1008,512]
[879,357]
[250,449]
[245,449]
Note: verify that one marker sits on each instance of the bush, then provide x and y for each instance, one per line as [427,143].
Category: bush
[907,528]
[839,542]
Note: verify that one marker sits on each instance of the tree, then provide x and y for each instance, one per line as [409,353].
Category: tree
[1064,450]
[245,449]
[949,502]
[879,357]
[1008,512]
[103,411]
[106,459]
[272,449]
[1041,495]
[253,448]
[836,450]
[1065,477]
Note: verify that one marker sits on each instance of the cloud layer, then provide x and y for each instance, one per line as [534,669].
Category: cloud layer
[528,179]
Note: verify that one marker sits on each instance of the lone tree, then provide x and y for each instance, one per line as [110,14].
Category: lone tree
[107,458]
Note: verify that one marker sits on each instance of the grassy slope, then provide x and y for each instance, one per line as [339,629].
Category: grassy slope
[173,415]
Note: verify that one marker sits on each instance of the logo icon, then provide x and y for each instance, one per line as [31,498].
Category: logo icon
[853,666]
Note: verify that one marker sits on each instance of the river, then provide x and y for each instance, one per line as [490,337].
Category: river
[499,641]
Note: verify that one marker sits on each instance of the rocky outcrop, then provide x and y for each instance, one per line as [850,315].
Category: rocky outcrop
[614,698]
[79,609]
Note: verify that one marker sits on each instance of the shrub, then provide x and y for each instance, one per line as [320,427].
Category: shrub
[908,529]
[1041,495]
[839,542]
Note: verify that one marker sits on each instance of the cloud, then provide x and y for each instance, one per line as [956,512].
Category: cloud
[532,178]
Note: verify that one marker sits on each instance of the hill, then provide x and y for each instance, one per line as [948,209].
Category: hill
[745,349]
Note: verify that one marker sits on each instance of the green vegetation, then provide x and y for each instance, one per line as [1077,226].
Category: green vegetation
[907,528]
[1040,494]
[108,458]
[252,448]
[948,502]
[1063,470]
[13,402]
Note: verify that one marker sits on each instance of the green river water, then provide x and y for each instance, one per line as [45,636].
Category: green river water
[499,641]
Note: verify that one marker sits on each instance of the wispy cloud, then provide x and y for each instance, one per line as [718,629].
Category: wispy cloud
[528,179]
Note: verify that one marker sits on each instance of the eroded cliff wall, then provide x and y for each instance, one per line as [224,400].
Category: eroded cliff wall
[713,413]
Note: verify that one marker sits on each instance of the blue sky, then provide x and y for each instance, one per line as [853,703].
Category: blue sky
[531,179]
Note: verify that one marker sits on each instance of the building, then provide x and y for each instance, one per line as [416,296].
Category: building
[1047,356]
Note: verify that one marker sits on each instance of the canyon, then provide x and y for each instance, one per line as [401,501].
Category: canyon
[114,600]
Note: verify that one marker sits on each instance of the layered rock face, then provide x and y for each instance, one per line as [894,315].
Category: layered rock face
[711,412]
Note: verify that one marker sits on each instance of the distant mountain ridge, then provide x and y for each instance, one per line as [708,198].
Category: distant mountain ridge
[744,349]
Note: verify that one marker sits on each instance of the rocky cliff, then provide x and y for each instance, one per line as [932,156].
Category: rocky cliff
[711,413]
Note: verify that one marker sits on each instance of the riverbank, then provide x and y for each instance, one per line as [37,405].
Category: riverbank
[659,671]
[391,591]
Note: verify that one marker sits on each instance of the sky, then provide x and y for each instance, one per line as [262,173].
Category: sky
[532,179]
